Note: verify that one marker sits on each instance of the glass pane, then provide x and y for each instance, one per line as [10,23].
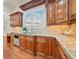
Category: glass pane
[61,10]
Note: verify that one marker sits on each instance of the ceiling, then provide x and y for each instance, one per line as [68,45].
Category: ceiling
[12,4]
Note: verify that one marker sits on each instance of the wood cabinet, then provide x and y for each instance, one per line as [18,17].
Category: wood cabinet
[50,47]
[55,49]
[31,44]
[57,12]
[10,40]
[23,41]
[72,11]
[73,6]
[60,52]
[40,45]
[51,14]
[61,11]
[16,19]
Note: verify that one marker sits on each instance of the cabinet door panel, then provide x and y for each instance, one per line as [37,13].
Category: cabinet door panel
[54,48]
[40,47]
[16,19]
[29,45]
[73,5]
[23,41]
[49,47]
[10,40]
[61,11]
[60,52]
[51,13]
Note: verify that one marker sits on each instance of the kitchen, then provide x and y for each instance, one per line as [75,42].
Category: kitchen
[40,28]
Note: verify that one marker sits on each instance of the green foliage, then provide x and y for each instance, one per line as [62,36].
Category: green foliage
[24,29]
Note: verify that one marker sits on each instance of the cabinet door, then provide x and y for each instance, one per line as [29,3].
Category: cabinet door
[23,41]
[61,10]
[72,10]
[51,16]
[50,46]
[16,19]
[10,40]
[11,20]
[40,45]
[54,48]
[60,52]
[73,5]
[29,42]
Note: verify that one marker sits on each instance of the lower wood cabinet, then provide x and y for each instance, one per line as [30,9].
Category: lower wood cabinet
[10,40]
[48,46]
[23,41]
[29,45]
[55,49]
[60,52]
[29,42]
[40,45]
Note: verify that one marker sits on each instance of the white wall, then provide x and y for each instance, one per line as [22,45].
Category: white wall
[6,21]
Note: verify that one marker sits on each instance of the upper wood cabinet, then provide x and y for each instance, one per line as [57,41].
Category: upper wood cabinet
[72,9]
[73,6]
[61,12]
[16,19]
[57,12]
[51,14]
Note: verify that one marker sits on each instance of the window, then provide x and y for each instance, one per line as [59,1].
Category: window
[35,16]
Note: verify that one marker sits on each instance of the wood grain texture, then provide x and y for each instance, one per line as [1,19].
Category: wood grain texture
[16,19]
[32,4]
[10,40]
[17,53]
[23,41]
[49,46]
